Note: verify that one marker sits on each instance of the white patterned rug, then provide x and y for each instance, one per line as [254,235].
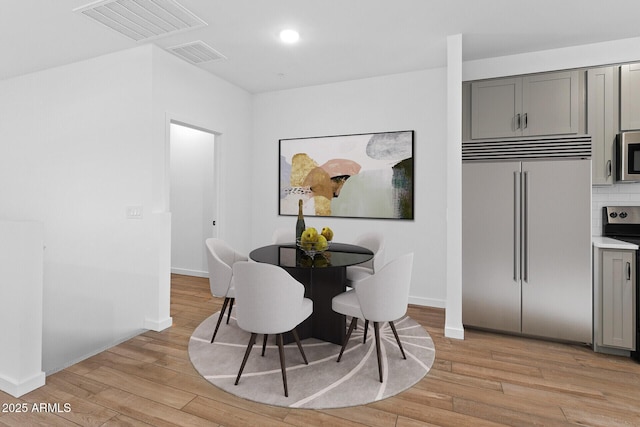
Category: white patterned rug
[323,383]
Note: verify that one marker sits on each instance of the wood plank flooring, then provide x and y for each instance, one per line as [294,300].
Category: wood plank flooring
[485,380]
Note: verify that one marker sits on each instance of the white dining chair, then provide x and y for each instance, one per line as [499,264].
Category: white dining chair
[283,235]
[220,258]
[380,297]
[375,242]
[270,301]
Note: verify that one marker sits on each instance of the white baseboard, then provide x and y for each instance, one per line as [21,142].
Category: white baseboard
[97,351]
[24,387]
[427,302]
[187,272]
[158,326]
[456,333]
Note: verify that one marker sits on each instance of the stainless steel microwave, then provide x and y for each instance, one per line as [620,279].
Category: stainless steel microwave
[628,157]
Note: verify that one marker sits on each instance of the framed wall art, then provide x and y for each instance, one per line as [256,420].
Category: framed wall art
[354,176]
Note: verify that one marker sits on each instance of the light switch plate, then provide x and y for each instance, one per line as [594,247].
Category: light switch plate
[134,212]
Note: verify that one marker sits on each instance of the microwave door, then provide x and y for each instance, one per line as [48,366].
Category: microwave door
[633,162]
[629,157]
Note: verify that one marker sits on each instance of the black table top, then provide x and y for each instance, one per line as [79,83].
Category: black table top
[289,256]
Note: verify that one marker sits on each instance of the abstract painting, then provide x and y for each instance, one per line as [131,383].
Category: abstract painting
[355,176]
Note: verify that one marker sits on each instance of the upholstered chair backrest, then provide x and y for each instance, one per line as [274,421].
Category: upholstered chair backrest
[384,296]
[268,299]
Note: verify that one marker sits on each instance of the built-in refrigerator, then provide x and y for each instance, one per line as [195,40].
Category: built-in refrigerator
[526,244]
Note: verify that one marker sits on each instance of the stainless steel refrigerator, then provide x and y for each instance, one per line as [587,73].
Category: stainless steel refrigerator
[526,247]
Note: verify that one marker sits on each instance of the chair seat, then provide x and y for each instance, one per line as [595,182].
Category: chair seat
[356,274]
[231,293]
[306,310]
[347,303]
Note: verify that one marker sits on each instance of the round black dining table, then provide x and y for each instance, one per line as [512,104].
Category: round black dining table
[323,276]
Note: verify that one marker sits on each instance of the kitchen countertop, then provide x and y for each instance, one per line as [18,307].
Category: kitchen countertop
[609,243]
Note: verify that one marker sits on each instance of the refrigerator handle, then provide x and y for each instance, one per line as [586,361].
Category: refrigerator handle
[525,228]
[516,225]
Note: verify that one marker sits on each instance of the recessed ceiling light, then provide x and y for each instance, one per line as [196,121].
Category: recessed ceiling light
[289,36]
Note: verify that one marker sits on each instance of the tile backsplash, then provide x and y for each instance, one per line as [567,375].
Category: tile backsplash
[613,195]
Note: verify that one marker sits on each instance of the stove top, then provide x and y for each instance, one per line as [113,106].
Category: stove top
[628,239]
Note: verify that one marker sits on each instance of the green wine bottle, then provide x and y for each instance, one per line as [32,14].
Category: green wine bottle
[300,222]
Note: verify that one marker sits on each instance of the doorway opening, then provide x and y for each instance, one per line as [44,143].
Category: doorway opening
[193,197]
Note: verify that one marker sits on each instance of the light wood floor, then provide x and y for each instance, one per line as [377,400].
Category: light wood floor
[486,379]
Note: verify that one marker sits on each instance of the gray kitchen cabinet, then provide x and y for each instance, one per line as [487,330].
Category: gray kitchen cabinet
[496,107]
[602,101]
[540,104]
[630,96]
[614,294]
[526,248]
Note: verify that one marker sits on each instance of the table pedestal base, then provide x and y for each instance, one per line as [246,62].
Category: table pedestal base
[321,285]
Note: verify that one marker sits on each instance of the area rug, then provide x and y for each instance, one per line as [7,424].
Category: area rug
[323,383]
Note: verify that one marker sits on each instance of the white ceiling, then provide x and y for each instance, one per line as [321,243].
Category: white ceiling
[339,39]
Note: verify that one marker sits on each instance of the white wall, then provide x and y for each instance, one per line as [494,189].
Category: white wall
[604,53]
[80,143]
[21,253]
[74,154]
[411,101]
[453,320]
[193,96]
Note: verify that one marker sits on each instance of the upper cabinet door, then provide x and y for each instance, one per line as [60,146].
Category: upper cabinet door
[550,104]
[630,97]
[495,108]
[602,99]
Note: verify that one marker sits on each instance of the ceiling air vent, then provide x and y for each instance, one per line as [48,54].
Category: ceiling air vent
[196,52]
[142,20]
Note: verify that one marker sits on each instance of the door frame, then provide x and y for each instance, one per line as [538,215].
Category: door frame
[204,127]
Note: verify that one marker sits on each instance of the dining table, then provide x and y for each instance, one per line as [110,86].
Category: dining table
[323,276]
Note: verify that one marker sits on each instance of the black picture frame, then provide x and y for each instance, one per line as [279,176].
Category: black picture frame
[367,175]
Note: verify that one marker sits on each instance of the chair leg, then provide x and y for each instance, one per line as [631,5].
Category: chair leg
[295,336]
[252,341]
[264,343]
[282,364]
[354,322]
[366,327]
[376,330]
[231,300]
[393,328]
[224,307]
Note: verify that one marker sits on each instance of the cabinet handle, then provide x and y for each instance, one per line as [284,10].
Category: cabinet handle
[516,225]
[525,228]
[608,168]
[517,121]
[526,121]
[628,271]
